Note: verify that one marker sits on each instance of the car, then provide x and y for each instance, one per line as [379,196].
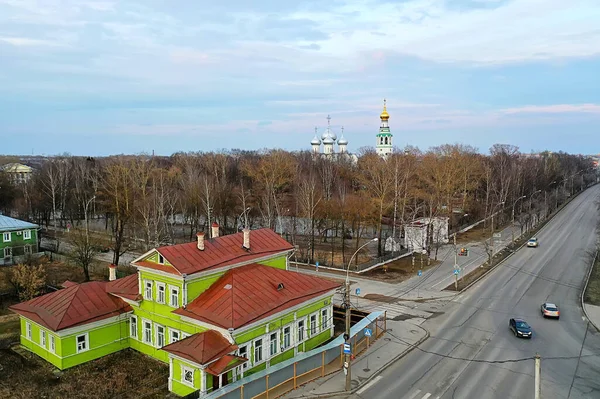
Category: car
[532,243]
[520,328]
[550,310]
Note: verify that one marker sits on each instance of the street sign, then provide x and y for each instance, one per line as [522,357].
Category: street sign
[358,291]
[347,350]
[456,271]
[497,235]
[420,273]
[368,332]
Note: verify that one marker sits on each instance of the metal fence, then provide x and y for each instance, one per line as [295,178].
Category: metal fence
[288,375]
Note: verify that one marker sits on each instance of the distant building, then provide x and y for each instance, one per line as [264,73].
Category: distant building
[326,144]
[418,233]
[384,145]
[17,238]
[17,172]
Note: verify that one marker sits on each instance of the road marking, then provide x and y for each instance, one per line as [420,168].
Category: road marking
[369,385]
[426,396]
[414,394]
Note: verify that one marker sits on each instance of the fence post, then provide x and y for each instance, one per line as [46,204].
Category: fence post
[323,364]
[242,392]
[267,380]
[385,320]
[354,345]
[295,386]
[341,356]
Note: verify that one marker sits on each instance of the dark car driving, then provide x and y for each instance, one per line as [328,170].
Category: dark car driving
[520,328]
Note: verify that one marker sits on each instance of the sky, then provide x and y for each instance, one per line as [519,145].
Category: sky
[107,77]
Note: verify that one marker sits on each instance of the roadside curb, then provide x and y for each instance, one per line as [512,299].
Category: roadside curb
[587,280]
[375,374]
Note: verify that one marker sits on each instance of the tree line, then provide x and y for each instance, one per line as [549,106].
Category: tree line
[316,201]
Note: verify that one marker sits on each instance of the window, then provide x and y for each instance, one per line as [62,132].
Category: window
[324,319]
[187,375]
[160,293]
[148,290]
[7,252]
[174,301]
[28,330]
[6,237]
[175,336]
[82,343]
[147,332]
[258,351]
[243,352]
[300,330]
[386,140]
[273,344]
[184,335]
[43,338]
[52,344]
[27,234]
[161,259]
[133,327]
[313,324]
[286,337]
[27,249]
[160,336]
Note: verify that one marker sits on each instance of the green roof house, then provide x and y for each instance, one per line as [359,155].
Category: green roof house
[214,310]
[17,239]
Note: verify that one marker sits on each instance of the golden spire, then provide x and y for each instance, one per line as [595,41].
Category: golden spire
[384,115]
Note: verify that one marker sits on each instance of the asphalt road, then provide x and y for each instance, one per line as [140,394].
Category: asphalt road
[475,326]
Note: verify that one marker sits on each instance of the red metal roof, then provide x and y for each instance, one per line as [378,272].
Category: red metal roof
[221,251]
[126,287]
[202,348]
[69,307]
[249,293]
[225,364]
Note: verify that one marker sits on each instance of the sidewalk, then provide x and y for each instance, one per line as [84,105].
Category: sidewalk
[365,368]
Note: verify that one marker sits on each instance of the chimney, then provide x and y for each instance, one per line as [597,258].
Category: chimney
[246,238]
[200,237]
[112,272]
[215,230]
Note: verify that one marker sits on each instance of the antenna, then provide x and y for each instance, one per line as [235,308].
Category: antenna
[328,120]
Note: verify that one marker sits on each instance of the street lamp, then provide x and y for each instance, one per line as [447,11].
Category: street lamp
[87,226]
[347,304]
[512,230]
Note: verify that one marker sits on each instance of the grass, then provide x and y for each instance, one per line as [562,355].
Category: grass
[592,292]
[125,374]
[401,269]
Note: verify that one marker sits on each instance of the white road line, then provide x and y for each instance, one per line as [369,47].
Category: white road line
[369,385]
[414,394]
[426,396]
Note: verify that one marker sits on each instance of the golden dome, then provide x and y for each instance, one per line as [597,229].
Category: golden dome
[384,115]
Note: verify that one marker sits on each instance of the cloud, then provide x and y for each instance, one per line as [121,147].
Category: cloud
[554,109]
[28,42]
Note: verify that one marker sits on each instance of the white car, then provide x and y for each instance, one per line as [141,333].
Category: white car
[550,310]
[532,243]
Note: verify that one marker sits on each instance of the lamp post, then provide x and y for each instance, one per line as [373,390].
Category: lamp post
[512,230]
[348,313]
[87,226]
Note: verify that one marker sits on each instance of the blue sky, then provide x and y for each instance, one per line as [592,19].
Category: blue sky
[104,77]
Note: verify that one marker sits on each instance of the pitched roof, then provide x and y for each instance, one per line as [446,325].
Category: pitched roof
[126,287]
[221,251]
[9,224]
[72,306]
[250,293]
[225,364]
[202,348]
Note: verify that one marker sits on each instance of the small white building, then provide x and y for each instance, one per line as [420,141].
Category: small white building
[418,233]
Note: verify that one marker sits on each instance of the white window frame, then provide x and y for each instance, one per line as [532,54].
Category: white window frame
[271,334]
[7,252]
[172,289]
[144,330]
[244,366]
[184,335]
[148,296]
[133,327]
[86,342]
[261,352]
[184,370]
[172,332]
[6,237]
[28,330]
[27,234]
[290,343]
[324,319]
[158,335]
[52,344]
[43,338]
[314,331]
[304,331]
[161,259]
[160,285]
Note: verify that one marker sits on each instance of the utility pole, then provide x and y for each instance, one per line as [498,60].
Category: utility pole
[538,377]
[347,337]
[455,263]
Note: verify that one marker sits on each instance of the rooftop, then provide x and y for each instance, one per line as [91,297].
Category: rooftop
[249,293]
[10,224]
[202,348]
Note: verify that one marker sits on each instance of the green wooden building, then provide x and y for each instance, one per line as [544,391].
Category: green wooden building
[17,239]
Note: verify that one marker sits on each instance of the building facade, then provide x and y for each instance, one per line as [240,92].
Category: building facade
[215,310]
[17,172]
[384,145]
[17,239]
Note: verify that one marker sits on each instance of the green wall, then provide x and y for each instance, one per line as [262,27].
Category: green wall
[17,242]
[180,388]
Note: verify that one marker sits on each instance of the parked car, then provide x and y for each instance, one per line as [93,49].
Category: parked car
[520,328]
[102,248]
[532,243]
[550,310]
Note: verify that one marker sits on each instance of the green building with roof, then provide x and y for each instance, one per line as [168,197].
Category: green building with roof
[17,239]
